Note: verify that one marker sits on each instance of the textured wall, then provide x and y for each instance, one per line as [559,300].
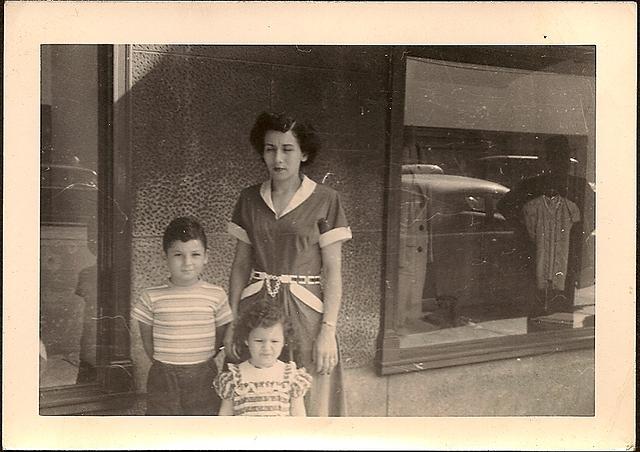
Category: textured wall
[192,109]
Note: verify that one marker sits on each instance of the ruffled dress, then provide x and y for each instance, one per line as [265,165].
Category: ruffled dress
[262,391]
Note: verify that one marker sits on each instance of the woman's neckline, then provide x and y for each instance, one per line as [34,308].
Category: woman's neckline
[306,189]
[287,187]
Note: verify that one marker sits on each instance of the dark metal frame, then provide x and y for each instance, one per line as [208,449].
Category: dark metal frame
[392,358]
[114,387]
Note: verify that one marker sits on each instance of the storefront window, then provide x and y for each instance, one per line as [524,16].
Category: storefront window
[493,234]
[84,232]
[69,215]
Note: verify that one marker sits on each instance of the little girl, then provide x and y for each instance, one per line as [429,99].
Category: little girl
[262,385]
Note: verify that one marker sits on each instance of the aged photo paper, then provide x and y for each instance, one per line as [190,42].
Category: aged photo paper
[610,26]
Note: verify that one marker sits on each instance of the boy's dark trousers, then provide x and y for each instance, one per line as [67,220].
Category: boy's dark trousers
[174,390]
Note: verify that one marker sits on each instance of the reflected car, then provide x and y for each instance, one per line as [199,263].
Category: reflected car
[476,258]
[421,168]
[509,170]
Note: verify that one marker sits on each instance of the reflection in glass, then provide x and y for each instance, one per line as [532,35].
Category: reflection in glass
[68,215]
[496,228]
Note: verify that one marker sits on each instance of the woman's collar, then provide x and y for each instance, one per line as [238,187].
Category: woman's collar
[301,195]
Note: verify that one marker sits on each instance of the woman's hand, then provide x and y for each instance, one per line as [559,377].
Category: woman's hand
[229,345]
[325,350]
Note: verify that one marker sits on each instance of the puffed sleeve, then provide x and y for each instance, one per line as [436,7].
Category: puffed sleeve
[300,383]
[237,227]
[334,227]
[224,385]
[142,310]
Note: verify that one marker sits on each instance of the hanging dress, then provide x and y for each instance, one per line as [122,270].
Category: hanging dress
[287,266]
[549,221]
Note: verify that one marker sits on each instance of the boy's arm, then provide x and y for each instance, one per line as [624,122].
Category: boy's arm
[297,406]
[146,333]
[226,408]
[220,332]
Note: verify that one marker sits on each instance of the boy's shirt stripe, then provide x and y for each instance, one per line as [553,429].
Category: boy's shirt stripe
[211,294]
[157,322]
[141,315]
[174,336]
[189,309]
[171,350]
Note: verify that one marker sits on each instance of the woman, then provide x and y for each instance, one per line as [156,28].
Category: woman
[290,232]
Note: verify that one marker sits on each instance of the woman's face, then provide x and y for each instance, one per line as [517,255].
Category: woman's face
[282,155]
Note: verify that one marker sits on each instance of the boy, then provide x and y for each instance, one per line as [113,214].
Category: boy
[182,325]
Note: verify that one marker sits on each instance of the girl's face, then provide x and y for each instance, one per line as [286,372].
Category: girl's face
[265,345]
[282,155]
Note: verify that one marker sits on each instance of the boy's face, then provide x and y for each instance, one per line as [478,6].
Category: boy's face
[265,345]
[185,261]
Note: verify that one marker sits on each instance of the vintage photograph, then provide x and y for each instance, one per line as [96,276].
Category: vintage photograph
[396,234]
[317,230]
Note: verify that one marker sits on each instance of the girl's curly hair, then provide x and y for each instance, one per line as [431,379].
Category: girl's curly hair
[261,313]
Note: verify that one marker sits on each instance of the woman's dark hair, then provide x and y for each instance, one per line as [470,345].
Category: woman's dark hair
[183,229]
[305,133]
[261,313]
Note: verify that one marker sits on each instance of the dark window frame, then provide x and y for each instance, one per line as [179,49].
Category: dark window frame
[393,359]
[114,386]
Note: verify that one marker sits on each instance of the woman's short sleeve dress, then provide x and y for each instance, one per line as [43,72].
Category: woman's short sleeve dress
[290,244]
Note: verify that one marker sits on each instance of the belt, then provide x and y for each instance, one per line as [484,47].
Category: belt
[283,279]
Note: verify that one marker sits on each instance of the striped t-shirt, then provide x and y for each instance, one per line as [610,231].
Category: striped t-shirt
[184,320]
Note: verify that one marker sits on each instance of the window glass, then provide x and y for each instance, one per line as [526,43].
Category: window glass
[68,214]
[496,217]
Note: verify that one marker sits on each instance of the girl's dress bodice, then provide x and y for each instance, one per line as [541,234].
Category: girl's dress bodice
[262,391]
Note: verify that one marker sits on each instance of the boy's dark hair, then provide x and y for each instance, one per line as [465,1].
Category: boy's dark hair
[183,229]
[305,133]
[261,313]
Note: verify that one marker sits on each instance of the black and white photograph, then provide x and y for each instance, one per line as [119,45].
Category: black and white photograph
[395,229]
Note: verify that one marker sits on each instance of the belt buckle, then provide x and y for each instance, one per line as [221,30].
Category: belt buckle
[272,291]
